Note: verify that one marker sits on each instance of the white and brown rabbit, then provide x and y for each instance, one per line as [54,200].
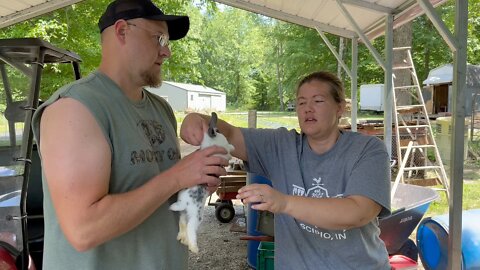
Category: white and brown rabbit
[191,201]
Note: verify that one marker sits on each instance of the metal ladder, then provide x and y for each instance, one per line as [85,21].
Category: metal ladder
[412,122]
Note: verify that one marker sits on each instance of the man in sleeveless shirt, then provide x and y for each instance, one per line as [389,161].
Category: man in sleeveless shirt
[110,153]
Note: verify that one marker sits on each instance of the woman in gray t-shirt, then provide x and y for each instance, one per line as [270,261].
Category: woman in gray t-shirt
[329,186]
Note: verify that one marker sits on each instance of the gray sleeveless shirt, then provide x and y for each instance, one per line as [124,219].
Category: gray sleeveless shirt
[143,142]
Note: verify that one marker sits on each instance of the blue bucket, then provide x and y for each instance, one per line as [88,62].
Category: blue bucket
[252,216]
[432,241]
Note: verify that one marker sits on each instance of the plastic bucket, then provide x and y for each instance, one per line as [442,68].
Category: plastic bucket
[432,241]
[252,216]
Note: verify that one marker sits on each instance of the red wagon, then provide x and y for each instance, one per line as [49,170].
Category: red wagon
[226,192]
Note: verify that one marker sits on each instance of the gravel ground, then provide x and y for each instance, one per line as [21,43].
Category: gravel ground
[219,248]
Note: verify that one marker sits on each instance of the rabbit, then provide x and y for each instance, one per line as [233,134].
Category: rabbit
[191,201]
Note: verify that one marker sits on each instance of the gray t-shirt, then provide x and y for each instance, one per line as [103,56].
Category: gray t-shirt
[143,142]
[356,165]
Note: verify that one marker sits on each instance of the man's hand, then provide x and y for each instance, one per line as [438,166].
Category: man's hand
[201,167]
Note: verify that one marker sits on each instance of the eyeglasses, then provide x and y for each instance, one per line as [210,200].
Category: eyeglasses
[163,39]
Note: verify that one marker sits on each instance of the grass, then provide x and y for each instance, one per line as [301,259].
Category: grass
[264,119]
[5,135]
[471,193]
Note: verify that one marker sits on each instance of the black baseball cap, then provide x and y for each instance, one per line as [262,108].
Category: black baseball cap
[130,9]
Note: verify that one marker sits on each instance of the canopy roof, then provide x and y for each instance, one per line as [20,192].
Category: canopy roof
[325,15]
[12,12]
[328,16]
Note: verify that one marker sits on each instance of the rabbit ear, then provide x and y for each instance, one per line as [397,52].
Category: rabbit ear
[212,126]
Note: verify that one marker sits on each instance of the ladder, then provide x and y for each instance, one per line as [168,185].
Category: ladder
[413,131]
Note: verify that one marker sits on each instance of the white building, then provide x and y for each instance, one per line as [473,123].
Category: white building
[183,97]
[438,91]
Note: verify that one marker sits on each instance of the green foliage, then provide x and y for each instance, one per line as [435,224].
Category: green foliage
[298,51]
[178,68]
[232,48]
[256,61]
[70,28]
[473,48]
[262,99]
[429,48]
[431,51]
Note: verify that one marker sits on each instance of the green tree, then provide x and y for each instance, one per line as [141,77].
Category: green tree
[473,48]
[256,61]
[75,28]
[297,51]
[232,49]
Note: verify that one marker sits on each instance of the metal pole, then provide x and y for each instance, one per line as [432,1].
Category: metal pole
[388,94]
[458,122]
[438,23]
[26,148]
[360,33]
[252,119]
[334,52]
[354,83]
[341,46]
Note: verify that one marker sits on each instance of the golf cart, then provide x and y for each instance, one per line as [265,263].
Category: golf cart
[22,62]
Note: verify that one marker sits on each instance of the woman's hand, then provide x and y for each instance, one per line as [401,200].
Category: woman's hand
[193,127]
[263,197]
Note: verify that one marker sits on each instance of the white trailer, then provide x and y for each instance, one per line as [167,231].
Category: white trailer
[371,97]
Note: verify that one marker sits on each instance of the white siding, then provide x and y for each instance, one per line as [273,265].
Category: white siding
[176,97]
[184,97]
[192,100]
[219,103]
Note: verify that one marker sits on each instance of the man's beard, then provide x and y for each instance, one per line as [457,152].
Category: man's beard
[151,79]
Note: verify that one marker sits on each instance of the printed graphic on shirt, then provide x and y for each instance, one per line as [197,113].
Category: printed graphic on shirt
[318,191]
[155,133]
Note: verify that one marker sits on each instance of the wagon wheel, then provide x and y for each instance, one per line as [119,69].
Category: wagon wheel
[224,212]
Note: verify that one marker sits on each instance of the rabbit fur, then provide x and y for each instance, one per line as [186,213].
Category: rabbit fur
[191,201]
